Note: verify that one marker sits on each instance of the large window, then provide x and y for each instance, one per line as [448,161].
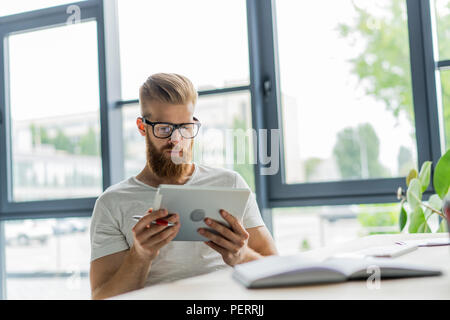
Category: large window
[54,103]
[345,90]
[52,163]
[355,97]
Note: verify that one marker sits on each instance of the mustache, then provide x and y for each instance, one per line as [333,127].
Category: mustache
[172,148]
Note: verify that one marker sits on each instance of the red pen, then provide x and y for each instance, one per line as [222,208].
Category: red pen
[159,222]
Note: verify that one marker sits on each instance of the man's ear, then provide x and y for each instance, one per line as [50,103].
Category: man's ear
[140,126]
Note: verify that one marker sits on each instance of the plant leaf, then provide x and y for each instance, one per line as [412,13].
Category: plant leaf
[443,226]
[411,175]
[424,175]
[417,218]
[424,228]
[441,177]
[414,194]
[435,202]
[403,218]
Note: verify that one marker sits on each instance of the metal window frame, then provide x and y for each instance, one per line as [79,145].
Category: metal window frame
[267,113]
[423,73]
[443,65]
[262,76]
[121,103]
[104,12]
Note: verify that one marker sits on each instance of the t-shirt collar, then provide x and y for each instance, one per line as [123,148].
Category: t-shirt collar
[189,181]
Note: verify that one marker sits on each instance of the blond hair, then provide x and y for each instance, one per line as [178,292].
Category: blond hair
[168,88]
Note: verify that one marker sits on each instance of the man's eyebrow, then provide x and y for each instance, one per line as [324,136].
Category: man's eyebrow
[156,120]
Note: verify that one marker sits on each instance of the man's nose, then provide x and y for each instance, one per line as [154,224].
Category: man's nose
[176,136]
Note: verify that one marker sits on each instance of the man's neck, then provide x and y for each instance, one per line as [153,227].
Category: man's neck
[150,178]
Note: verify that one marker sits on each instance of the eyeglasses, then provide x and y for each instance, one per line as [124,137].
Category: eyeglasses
[164,130]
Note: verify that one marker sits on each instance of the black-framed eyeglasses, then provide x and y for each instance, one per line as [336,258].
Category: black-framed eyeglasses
[164,130]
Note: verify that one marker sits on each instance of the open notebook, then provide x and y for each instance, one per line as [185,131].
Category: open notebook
[277,271]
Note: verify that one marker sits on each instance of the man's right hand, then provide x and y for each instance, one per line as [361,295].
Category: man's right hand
[150,238]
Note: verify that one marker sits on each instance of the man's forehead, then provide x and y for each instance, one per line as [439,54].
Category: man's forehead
[165,112]
[174,119]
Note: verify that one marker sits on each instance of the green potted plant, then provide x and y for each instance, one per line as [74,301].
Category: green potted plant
[417,211]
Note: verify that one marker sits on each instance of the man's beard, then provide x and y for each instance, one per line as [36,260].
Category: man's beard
[162,164]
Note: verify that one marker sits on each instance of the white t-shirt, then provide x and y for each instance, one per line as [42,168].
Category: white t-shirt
[112,222]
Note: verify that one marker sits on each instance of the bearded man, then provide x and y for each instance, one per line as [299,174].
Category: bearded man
[126,255]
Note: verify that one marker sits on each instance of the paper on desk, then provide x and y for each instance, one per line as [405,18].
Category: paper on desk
[390,251]
[426,242]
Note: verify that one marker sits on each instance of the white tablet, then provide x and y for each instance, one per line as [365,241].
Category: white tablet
[195,203]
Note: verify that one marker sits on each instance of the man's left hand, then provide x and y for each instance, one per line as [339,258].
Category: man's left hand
[231,242]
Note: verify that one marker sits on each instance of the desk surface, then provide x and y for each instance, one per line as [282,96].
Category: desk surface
[220,285]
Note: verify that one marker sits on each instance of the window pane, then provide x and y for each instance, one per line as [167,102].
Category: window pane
[226,136]
[445,82]
[55,113]
[305,228]
[192,38]
[223,118]
[346,90]
[47,259]
[8,7]
[442,8]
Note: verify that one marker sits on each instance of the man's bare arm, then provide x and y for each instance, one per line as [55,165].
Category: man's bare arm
[118,273]
[127,270]
[261,241]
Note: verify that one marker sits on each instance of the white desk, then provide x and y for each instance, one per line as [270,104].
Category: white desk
[220,285]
